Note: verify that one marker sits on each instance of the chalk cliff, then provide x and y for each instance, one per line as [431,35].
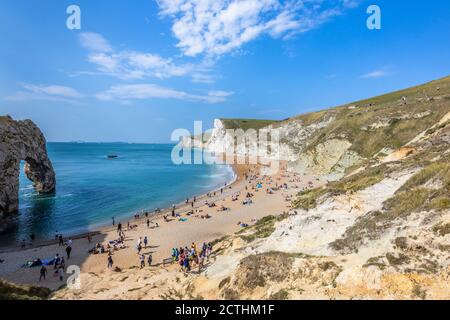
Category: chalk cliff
[379,230]
[333,142]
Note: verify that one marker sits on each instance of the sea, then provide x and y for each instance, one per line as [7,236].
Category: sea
[92,188]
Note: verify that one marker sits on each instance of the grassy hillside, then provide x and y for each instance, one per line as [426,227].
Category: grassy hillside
[427,191]
[9,291]
[387,121]
[246,124]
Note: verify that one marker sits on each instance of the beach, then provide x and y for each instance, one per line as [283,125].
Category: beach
[162,234]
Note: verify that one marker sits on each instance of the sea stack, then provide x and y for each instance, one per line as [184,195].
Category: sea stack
[22,140]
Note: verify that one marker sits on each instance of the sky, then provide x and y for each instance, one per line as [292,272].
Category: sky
[137,70]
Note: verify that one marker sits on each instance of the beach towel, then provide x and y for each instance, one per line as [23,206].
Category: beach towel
[48,262]
[183,219]
[38,263]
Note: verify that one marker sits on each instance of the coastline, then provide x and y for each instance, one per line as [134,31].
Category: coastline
[181,206]
[106,227]
[205,224]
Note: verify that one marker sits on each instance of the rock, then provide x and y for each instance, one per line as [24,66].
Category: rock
[22,140]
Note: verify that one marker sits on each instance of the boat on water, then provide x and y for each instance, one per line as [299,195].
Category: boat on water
[112,156]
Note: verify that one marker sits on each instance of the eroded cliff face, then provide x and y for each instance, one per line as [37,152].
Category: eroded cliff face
[333,142]
[381,231]
[22,140]
[329,159]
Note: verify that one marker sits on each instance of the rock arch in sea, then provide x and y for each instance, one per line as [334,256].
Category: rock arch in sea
[22,140]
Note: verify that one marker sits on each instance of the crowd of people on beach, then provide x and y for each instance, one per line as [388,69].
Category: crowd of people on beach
[58,262]
[187,258]
[192,256]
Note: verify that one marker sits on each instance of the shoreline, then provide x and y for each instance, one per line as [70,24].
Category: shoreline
[104,227]
[204,225]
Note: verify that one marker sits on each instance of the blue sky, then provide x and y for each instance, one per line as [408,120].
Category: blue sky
[138,70]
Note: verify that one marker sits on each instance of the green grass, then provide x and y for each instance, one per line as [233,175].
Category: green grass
[404,203]
[283,294]
[442,229]
[348,123]
[9,291]
[439,171]
[418,292]
[436,198]
[371,225]
[414,196]
[440,203]
[246,124]
[257,270]
[263,228]
[308,199]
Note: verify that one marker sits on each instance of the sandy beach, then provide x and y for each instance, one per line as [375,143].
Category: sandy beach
[163,235]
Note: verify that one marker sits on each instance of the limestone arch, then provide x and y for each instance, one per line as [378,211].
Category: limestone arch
[22,140]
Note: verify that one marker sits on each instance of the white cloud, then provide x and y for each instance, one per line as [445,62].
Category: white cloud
[46,92]
[125,93]
[375,74]
[216,27]
[126,64]
[199,77]
[220,93]
[94,42]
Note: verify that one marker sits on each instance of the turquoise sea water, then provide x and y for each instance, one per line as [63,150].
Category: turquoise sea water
[91,188]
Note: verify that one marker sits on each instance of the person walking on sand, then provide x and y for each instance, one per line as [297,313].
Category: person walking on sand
[186,265]
[61,273]
[148,223]
[139,244]
[200,264]
[174,254]
[145,241]
[149,260]
[68,251]
[119,228]
[142,260]
[110,262]
[181,263]
[61,240]
[56,261]
[43,273]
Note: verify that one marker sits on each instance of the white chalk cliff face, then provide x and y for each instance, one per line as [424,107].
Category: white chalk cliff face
[380,231]
[283,141]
